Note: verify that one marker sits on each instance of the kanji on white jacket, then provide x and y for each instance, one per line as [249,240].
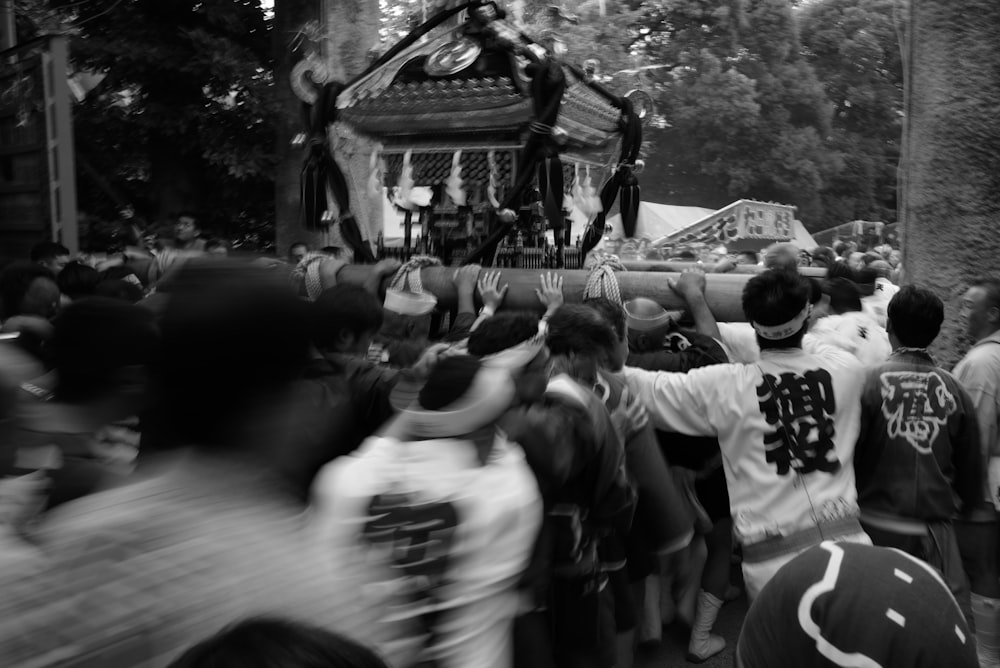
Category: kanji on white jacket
[876,305]
[421,527]
[818,393]
[854,332]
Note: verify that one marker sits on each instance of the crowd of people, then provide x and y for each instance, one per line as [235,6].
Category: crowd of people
[213,461]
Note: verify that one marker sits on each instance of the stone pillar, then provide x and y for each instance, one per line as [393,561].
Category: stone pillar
[950,185]
[351,30]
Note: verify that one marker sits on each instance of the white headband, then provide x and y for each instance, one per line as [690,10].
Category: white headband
[488,397]
[648,323]
[409,303]
[783,331]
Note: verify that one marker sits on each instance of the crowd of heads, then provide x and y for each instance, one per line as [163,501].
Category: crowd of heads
[210,354]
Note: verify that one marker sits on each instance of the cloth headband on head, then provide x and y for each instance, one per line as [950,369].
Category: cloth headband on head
[648,323]
[488,398]
[517,357]
[783,331]
[409,303]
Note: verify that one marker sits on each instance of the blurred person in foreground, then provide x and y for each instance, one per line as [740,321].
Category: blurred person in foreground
[75,426]
[277,643]
[843,604]
[207,534]
[29,299]
[917,458]
[787,427]
[978,529]
[436,530]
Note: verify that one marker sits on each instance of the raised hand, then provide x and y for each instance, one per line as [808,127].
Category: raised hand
[551,292]
[490,291]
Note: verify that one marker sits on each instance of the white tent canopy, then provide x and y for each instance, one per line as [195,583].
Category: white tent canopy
[801,236]
[658,220]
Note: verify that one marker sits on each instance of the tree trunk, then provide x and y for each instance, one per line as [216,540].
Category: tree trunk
[351,28]
[289,16]
[354,33]
[950,201]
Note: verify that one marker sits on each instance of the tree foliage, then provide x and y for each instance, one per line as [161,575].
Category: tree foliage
[767,99]
[183,116]
[853,47]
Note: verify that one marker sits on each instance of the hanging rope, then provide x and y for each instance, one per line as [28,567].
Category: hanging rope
[409,273]
[602,282]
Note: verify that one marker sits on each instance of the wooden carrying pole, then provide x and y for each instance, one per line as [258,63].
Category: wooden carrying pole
[663,265]
[723,292]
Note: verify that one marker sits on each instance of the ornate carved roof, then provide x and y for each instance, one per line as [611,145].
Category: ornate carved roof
[472,79]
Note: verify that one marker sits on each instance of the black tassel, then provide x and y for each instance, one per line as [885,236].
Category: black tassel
[591,237]
[629,203]
[550,182]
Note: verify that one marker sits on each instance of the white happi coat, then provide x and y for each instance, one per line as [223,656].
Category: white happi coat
[422,527]
[855,332]
[819,395]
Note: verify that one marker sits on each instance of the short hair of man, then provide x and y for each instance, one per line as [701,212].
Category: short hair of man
[612,312]
[96,337]
[448,381]
[841,270]
[78,280]
[991,286]
[576,328]
[502,331]
[844,295]
[775,297]
[47,250]
[265,642]
[15,280]
[914,316]
[343,307]
[823,256]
